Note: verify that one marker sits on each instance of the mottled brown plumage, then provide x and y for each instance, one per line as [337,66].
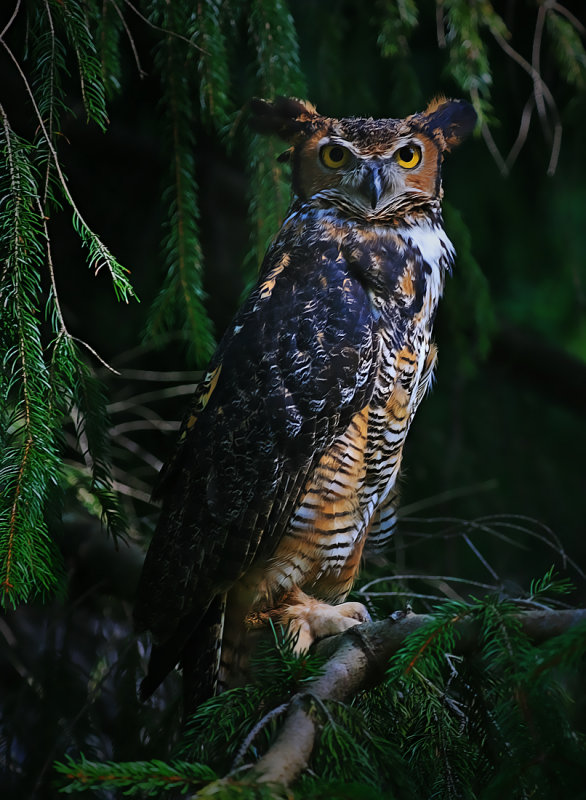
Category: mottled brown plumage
[287,462]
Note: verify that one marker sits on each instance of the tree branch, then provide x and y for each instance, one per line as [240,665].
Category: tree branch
[357,660]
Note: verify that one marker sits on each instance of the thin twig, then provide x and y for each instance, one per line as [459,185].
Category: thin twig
[493,149]
[569,16]
[442,693]
[275,712]
[141,72]
[11,654]
[490,524]
[411,595]
[84,447]
[162,425]
[535,63]
[164,30]
[51,103]
[488,139]
[147,347]
[11,20]
[528,602]
[43,219]
[544,92]
[146,397]
[119,485]
[124,489]
[96,355]
[446,578]
[523,132]
[132,480]
[164,377]
[449,494]
[133,447]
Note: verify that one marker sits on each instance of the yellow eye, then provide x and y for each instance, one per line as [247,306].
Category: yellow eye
[334,156]
[408,156]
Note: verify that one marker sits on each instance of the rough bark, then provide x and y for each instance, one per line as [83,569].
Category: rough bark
[357,660]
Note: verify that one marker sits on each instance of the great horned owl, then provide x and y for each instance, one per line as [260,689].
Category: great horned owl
[287,460]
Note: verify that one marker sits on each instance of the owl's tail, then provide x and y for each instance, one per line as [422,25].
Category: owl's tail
[200,658]
[196,647]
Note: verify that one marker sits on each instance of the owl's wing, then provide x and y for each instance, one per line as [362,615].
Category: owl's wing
[286,380]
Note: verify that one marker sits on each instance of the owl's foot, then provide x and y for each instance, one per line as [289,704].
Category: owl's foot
[309,619]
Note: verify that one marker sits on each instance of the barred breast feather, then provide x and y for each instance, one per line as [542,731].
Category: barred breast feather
[401,272]
[304,421]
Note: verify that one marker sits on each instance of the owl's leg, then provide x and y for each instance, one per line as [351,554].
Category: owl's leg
[238,641]
[310,619]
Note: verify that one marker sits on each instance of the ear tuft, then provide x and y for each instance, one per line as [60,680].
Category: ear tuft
[286,117]
[450,121]
[438,100]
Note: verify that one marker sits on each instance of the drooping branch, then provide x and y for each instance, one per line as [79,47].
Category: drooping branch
[357,660]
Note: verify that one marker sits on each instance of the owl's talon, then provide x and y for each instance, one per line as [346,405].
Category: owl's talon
[309,619]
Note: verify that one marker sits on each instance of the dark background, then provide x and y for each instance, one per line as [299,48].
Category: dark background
[500,443]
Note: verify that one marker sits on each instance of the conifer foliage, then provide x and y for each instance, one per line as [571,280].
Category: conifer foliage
[46,376]
[468,707]
[493,722]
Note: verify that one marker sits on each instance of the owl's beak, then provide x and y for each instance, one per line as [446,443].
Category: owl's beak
[372,185]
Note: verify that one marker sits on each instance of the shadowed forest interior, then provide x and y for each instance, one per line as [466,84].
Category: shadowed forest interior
[493,479]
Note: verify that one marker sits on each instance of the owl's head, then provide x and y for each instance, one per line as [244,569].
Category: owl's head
[370,169]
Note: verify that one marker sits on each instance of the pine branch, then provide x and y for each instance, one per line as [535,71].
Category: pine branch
[412,731]
[222,730]
[78,393]
[357,660]
[278,73]
[99,254]
[36,396]
[110,23]
[398,20]
[100,257]
[181,301]
[469,63]
[144,777]
[73,17]
[48,66]
[212,64]
[30,466]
